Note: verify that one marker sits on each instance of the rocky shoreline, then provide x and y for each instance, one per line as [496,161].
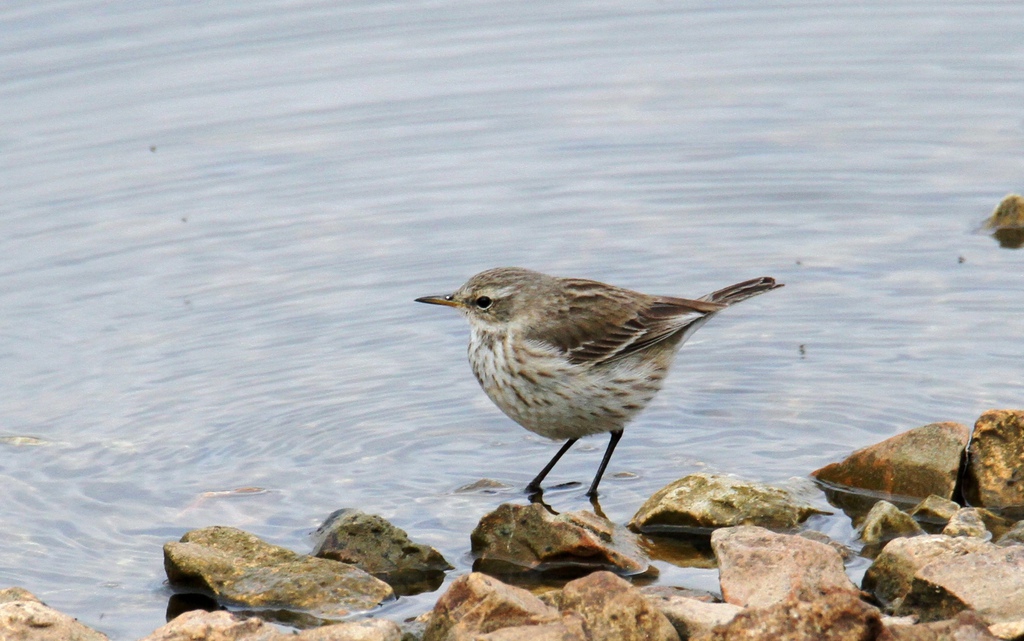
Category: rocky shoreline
[938,509]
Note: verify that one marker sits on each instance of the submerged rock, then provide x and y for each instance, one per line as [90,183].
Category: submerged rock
[1007,222]
[239,567]
[377,547]
[524,538]
[23,617]
[995,465]
[700,502]
[199,625]
[834,615]
[886,522]
[760,568]
[917,463]
[892,573]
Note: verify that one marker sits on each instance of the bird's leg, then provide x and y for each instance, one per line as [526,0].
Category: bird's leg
[616,435]
[534,485]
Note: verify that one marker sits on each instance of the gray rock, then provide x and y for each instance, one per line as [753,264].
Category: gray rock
[916,463]
[377,547]
[613,609]
[989,581]
[476,604]
[23,617]
[199,625]
[935,510]
[967,522]
[886,522]
[524,538]
[692,617]
[833,615]
[891,574]
[759,568]
[700,502]
[995,467]
[240,568]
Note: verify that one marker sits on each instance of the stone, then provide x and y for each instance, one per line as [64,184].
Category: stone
[1007,222]
[989,581]
[1007,629]
[891,574]
[692,617]
[934,510]
[1013,536]
[835,615]
[477,604]
[967,522]
[759,568]
[613,610]
[966,627]
[23,617]
[885,522]
[917,463]
[995,463]
[528,538]
[700,502]
[568,629]
[199,625]
[380,549]
[240,568]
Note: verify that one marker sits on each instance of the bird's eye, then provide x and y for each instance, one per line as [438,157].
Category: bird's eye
[483,302]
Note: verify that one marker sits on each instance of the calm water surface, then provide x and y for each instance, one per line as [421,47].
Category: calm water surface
[215,218]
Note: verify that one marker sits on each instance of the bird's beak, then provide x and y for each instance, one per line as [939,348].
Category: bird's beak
[447,301]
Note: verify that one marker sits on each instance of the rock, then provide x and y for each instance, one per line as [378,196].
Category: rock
[238,567]
[23,617]
[699,502]
[568,629]
[885,522]
[966,627]
[523,538]
[844,551]
[759,568]
[654,593]
[613,610]
[835,615]
[1013,536]
[692,617]
[916,463]
[380,549]
[995,466]
[1007,222]
[476,604]
[967,522]
[935,510]
[199,625]
[1007,630]
[989,581]
[890,576]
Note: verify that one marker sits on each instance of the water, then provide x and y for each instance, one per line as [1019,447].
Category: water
[216,217]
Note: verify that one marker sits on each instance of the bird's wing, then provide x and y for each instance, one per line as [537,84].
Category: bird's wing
[603,326]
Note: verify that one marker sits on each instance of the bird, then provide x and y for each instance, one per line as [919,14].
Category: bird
[570,357]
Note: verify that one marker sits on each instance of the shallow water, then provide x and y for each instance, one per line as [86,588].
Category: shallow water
[216,218]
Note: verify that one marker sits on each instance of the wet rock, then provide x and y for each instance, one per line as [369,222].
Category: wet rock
[989,581]
[239,567]
[886,522]
[759,568]
[476,604]
[1013,536]
[892,573]
[935,510]
[654,593]
[966,627]
[377,547]
[967,522]
[611,608]
[835,615]
[523,538]
[916,463]
[699,502]
[995,467]
[23,617]
[1007,222]
[568,629]
[692,617]
[199,625]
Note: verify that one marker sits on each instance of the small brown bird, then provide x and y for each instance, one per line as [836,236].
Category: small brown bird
[567,357]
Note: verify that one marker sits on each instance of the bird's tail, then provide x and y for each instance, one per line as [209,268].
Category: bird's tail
[742,291]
